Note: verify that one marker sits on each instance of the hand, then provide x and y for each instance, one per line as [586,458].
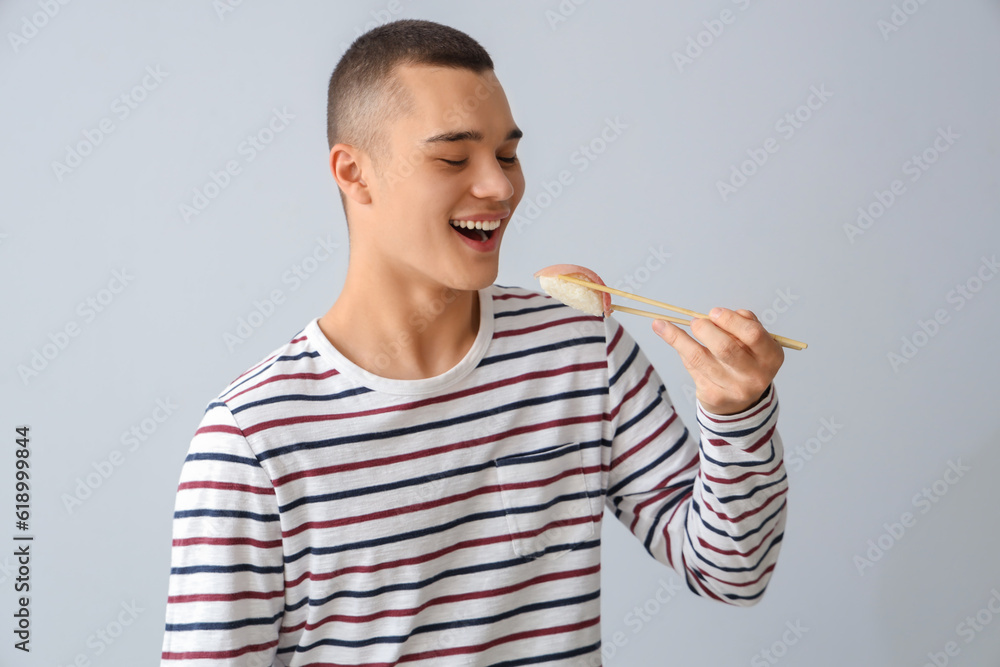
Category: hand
[734,367]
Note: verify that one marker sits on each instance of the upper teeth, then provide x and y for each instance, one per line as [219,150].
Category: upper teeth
[476,224]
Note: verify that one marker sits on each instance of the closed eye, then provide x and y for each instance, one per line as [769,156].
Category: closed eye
[459,163]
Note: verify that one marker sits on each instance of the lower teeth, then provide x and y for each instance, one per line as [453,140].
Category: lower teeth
[483,235]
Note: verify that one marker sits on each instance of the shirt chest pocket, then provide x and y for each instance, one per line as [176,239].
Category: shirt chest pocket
[546,500]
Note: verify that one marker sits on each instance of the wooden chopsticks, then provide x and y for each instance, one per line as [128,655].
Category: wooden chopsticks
[784,342]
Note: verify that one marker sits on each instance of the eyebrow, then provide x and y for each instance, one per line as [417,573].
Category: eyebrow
[469,135]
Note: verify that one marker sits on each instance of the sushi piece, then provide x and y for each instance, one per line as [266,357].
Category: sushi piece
[576,296]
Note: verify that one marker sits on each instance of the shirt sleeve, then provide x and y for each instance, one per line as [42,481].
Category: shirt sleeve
[226,589]
[713,509]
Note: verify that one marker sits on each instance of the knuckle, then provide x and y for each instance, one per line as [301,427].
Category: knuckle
[755,334]
[696,359]
[727,349]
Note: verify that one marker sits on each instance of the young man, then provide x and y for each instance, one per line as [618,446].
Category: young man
[418,476]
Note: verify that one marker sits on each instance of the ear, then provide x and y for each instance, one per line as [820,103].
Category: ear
[345,165]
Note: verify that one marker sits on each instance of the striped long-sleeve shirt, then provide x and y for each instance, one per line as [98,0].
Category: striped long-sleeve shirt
[329,516]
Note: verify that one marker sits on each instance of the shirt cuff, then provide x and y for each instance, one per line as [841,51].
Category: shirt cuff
[741,428]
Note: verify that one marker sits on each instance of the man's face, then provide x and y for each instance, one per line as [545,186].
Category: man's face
[451,158]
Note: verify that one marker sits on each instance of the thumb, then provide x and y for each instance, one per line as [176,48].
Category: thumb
[665,330]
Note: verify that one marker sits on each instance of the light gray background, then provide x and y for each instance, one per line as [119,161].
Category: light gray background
[779,240]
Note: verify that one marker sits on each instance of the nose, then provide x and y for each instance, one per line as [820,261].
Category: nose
[492,182]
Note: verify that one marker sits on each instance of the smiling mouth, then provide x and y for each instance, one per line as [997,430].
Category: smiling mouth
[478,230]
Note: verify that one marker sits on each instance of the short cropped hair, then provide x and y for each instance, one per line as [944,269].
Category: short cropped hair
[364,96]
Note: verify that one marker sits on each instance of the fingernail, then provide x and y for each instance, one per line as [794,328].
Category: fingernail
[714,313]
[659,326]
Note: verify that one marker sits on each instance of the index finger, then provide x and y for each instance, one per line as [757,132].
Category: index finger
[693,354]
[748,330]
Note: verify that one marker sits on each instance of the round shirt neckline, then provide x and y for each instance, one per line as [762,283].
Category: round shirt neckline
[411,387]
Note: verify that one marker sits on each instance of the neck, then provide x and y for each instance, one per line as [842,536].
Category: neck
[400,328]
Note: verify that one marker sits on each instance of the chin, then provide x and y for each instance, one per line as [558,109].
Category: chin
[472,280]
